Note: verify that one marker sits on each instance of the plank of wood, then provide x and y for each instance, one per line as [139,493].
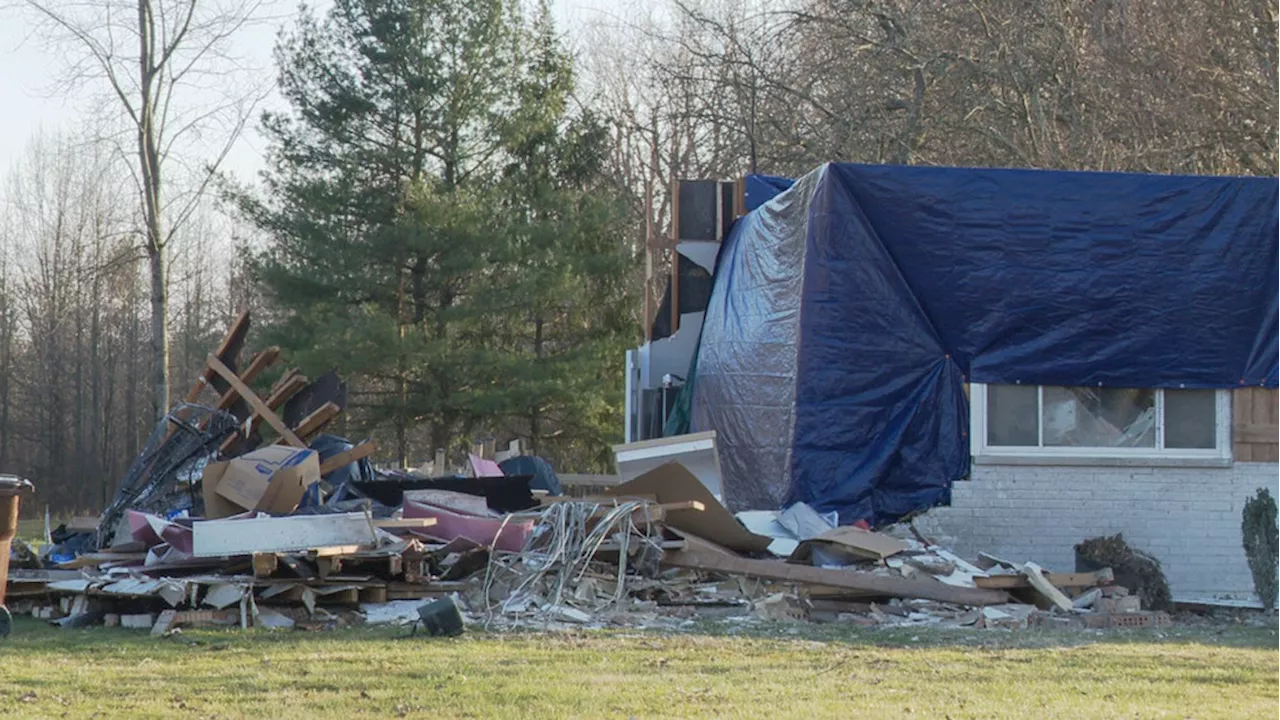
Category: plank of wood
[232,339]
[609,500]
[234,336]
[346,457]
[1062,580]
[1042,586]
[702,555]
[336,550]
[312,423]
[260,408]
[261,361]
[285,388]
[405,523]
[345,596]
[265,564]
[214,538]
[654,512]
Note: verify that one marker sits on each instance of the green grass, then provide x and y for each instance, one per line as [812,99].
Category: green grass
[1210,672]
[32,529]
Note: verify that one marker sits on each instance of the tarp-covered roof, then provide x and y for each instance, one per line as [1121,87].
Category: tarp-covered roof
[849,310]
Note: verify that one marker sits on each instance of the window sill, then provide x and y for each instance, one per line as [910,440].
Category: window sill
[1093,461]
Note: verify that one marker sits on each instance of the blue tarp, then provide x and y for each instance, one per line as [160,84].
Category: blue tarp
[850,309]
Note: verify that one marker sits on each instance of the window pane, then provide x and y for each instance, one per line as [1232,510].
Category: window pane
[1190,419]
[1099,417]
[1011,415]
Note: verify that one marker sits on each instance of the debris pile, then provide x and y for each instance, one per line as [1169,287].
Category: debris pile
[214,525]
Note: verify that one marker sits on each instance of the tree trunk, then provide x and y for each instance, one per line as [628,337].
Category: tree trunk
[149,66]
[159,335]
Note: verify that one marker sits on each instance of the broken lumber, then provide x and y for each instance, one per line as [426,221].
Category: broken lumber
[213,538]
[265,564]
[257,364]
[313,423]
[1062,580]
[285,388]
[703,555]
[345,458]
[405,523]
[260,408]
[229,348]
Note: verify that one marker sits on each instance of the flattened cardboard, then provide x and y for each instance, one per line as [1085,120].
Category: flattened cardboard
[853,540]
[271,479]
[673,483]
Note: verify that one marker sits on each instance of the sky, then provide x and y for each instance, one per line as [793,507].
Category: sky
[29,71]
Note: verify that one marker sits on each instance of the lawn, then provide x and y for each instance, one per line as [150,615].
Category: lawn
[1212,672]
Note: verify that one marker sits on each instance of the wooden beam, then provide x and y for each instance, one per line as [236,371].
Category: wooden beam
[1049,595]
[405,523]
[260,408]
[703,555]
[336,550]
[1067,580]
[260,362]
[346,457]
[265,564]
[312,423]
[237,332]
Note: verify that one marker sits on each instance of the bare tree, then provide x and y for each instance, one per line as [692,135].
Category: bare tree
[185,97]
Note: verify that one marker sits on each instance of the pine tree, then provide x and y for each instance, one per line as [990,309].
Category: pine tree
[437,220]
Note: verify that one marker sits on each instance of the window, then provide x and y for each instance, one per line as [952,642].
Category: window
[1034,421]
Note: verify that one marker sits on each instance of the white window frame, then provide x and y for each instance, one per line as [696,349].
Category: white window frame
[984,453]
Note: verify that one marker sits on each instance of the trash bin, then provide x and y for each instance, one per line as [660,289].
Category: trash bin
[11,488]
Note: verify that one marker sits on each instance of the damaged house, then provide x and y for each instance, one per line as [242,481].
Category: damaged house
[1038,356]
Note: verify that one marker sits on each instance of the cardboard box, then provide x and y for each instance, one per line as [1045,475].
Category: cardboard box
[271,479]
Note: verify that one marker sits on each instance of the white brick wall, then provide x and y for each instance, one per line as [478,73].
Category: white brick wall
[1189,518]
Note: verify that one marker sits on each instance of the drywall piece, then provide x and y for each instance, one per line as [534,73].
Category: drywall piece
[225,595]
[163,623]
[765,522]
[1087,599]
[696,452]
[804,523]
[213,538]
[1035,576]
[673,483]
[268,618]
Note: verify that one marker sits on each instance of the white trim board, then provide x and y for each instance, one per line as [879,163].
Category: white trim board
[697,452]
